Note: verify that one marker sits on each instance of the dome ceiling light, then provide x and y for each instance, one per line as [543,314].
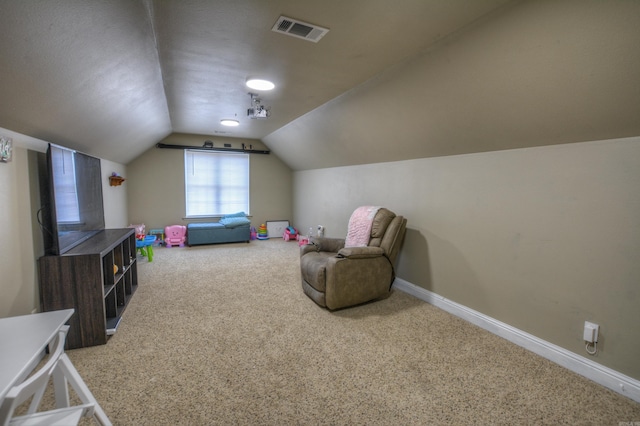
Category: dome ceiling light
[260,84]
[229,122]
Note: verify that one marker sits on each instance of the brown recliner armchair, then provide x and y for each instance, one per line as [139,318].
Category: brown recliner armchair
[337,277]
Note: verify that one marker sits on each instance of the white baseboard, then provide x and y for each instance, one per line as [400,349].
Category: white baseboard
[600,374]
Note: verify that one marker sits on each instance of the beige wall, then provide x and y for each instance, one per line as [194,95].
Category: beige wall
[114,197]
[23,240]
[539,238]
[17,277]
[156,183]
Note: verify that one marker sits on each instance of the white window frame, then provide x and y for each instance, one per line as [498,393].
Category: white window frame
[210,178]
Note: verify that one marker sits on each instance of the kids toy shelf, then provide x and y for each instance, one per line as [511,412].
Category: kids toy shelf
[84,278]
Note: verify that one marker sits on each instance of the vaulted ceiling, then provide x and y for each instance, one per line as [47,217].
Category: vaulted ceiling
[113,78]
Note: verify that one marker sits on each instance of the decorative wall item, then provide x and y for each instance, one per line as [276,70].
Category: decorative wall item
[6,149]
[115,179]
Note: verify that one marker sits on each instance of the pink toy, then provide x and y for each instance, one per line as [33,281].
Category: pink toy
[290,234]
[175,235]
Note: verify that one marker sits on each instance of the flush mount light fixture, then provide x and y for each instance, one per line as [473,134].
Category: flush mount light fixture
[229,122]
[260,84]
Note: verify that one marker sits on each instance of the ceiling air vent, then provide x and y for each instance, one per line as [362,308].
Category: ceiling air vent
[299,29]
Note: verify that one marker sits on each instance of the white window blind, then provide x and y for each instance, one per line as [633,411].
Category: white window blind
[216,183]
[64,171]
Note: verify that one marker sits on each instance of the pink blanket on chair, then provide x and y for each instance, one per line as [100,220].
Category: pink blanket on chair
[360,223]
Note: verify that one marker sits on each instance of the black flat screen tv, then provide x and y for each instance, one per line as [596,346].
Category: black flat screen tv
[71,191]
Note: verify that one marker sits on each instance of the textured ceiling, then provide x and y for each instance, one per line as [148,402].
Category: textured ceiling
[534,73]
[112,78]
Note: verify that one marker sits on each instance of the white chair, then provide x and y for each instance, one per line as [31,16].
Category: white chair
[60,368]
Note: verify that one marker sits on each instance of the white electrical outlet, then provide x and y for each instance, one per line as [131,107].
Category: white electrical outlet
[591,332]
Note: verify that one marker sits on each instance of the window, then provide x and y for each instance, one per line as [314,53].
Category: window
[64,178]
[216,183]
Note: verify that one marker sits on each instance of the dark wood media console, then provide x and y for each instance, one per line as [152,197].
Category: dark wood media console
[84,278]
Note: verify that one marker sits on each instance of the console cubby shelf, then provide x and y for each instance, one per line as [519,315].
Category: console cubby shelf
[84,278]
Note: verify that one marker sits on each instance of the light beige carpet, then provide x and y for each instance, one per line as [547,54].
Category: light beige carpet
[223,335]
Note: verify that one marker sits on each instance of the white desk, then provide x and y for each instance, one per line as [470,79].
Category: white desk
[23,340]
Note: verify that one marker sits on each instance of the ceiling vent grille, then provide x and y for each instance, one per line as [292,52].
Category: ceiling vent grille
[299,29]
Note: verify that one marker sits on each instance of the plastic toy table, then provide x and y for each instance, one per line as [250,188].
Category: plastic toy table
[145,247]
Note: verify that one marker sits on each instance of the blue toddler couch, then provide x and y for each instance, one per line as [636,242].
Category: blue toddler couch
[232,228]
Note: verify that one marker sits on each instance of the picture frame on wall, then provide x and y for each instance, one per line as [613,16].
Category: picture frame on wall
[6,149]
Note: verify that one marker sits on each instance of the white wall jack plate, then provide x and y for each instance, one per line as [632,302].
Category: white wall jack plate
[591,332]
